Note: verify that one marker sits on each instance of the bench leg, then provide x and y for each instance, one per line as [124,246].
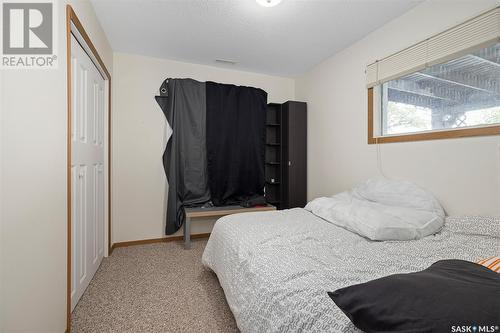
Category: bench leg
[187,233]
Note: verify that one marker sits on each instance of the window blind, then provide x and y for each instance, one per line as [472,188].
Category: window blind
[473,34]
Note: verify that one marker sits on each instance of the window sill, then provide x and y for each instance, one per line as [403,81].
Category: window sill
[444,134]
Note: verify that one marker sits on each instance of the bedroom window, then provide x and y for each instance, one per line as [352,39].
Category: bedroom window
[446,86]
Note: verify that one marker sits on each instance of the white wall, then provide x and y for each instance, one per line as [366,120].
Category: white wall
[1,201]
[33,189]
[139,137]
[463,173]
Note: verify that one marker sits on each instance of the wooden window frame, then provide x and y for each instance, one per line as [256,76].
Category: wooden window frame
[435,135]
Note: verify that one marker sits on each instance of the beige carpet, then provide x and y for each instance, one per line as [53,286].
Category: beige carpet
[154,288]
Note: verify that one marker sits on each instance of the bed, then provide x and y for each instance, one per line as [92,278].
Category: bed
[276,267]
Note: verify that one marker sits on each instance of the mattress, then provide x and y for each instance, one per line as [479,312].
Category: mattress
[276,267]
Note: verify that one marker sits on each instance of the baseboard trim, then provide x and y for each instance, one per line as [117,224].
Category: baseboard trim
[157,240]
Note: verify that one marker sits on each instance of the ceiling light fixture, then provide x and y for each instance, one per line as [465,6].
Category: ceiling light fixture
[268,3]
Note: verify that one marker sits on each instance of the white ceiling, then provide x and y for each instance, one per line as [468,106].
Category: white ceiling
[285,40]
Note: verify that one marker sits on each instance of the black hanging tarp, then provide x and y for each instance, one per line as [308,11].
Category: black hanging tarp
[236,137]
[183,101]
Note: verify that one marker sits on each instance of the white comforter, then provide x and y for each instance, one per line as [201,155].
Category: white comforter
[383,209]
[276,267]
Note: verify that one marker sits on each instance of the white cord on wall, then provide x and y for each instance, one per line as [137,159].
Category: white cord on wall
[379,159]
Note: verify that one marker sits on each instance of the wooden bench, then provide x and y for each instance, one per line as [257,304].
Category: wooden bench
[215,212]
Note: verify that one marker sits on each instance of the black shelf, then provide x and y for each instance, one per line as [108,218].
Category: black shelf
[286,141]
[273,154]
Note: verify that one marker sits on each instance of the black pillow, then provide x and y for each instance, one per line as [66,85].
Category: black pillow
[449,296]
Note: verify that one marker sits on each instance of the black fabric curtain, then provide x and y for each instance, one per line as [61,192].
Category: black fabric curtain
[217,148]
[185,160]
[236,137]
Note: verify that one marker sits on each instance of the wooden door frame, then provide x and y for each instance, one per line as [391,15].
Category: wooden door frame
[72,19]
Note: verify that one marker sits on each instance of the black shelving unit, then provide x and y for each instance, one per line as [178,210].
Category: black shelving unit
[273,155]
[286,155]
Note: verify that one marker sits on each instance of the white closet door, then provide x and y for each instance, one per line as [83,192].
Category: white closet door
[87,170]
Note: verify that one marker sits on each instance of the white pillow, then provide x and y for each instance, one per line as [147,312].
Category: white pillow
[383,209]
[398,193]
